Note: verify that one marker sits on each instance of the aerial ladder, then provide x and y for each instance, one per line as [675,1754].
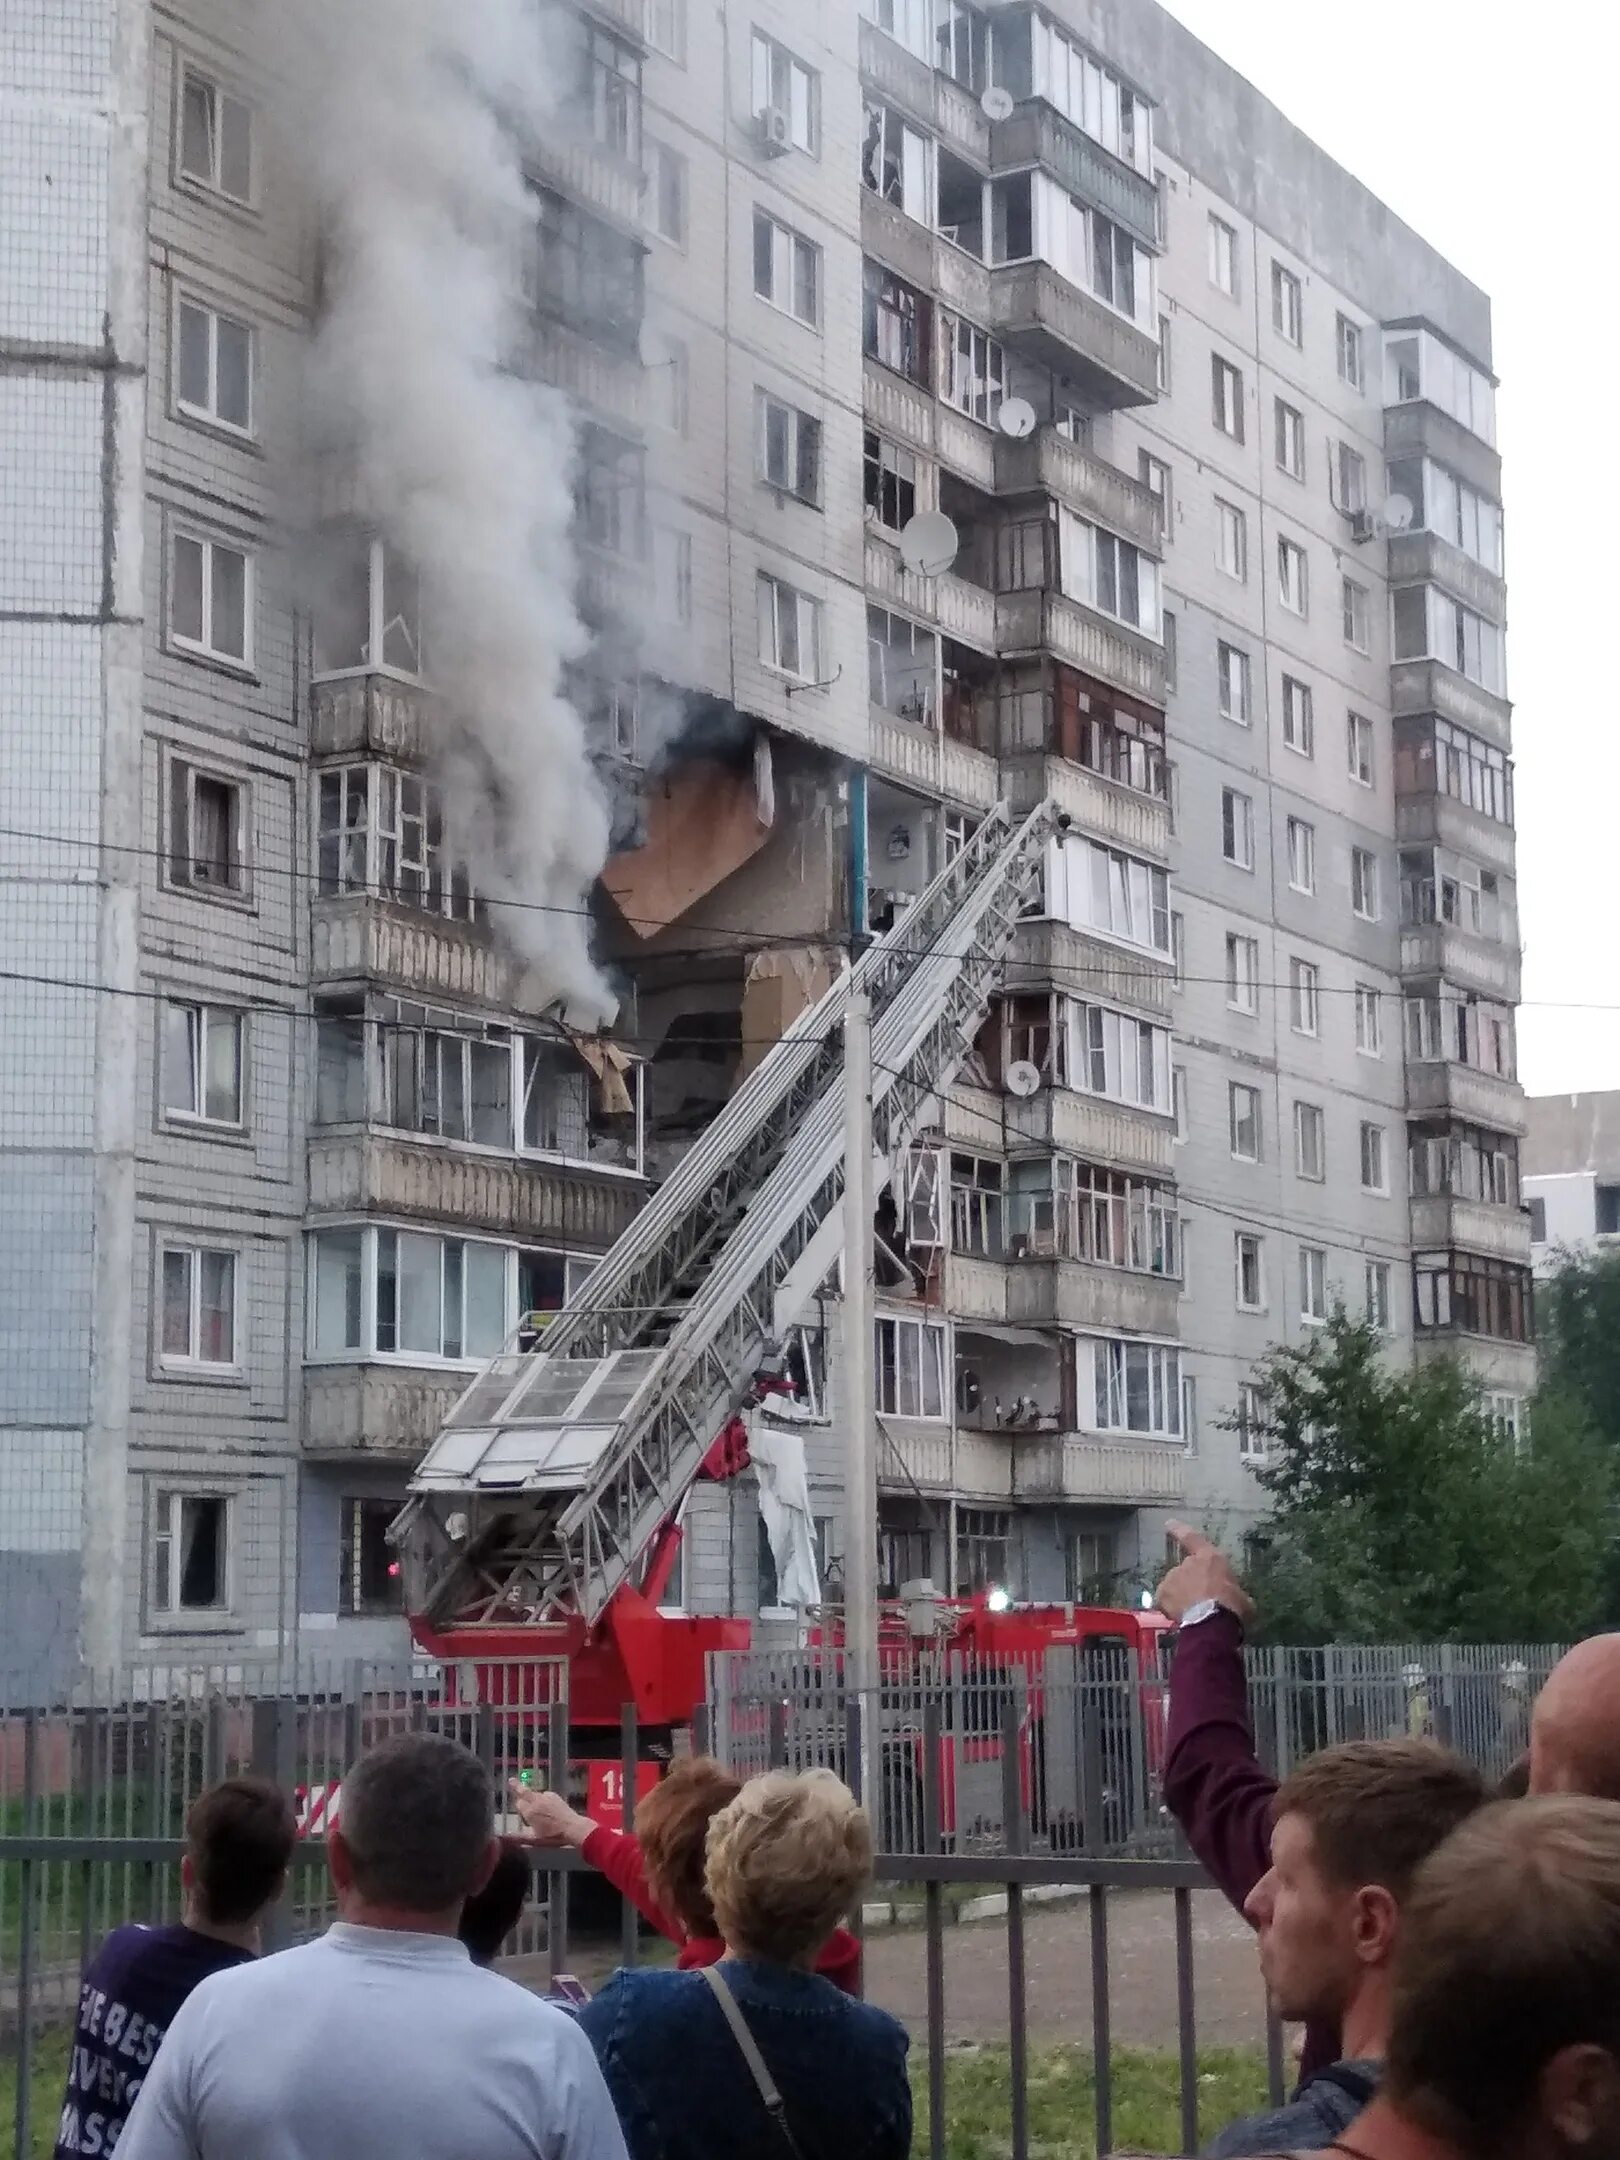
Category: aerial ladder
[545,1517]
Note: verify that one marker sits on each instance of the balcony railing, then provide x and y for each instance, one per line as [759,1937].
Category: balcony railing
[1444,1222]
[1050,622]
[1063,1121]
[1049,463]
[419,1181]
[1075,1468]
[390,1412]
[1034,307]
[1473,963]
[1460,1091]
[1037,134]
[359,938]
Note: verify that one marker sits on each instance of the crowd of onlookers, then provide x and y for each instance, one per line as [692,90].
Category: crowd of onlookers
[1453,1956]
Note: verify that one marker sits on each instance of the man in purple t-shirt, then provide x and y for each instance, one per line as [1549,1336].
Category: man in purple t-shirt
[239,1840]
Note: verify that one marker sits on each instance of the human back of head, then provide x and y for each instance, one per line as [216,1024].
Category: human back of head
[240,1835]
[786,1859]
[1575,1728]
[1507,1984]
[673,1826]
[415,1835]
[490,1914]
[1351,1826]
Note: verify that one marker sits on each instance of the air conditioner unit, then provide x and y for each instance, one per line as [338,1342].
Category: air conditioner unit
[774,129]
[1363,525]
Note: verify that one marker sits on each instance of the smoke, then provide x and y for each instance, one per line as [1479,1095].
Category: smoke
[406,117]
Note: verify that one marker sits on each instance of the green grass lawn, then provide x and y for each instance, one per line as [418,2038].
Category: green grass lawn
[1147,2105]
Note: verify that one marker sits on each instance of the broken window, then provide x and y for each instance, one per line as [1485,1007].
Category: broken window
[611,493]
[445,1075]
[896,161]
[190,1553]
[789,449]
[610,83]
[961,205]
[890,482]
[381,831]
[206,819]
[369,611]
[902,666]
[556,1099]
[895,322]
[368,1570]
[340,1068]
[584,271]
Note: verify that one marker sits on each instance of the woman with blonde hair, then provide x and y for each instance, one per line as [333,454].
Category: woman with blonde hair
[758,2057]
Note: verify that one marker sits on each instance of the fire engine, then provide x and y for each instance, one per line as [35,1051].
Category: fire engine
[546,1517]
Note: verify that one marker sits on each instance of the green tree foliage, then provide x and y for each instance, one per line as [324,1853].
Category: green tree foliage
[1578,1325]
[1398,1513]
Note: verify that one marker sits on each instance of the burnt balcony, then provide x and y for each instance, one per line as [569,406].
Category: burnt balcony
[1097,805]
[1036,310]
[380,1413]
[408,1180]
[370,714]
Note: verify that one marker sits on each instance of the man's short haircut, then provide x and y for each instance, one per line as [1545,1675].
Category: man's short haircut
[673,1826]
[787,1859]
[1509,1953]
[240,1835]
[417,1816]
[1378,1808]
[491,1914]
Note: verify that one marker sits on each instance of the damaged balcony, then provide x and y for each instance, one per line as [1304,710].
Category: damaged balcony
[932,702]
[944,106]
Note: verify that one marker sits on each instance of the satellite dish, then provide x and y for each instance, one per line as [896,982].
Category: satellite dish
[1017,418]
[1396,514]
[1023,1078]
[929,543]
[997,103]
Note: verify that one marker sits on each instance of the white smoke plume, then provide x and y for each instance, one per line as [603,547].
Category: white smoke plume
[406,118]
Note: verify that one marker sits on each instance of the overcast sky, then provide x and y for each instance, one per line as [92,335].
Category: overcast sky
[1488,128]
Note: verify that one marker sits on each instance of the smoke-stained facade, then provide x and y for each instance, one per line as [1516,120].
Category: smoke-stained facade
[473,609]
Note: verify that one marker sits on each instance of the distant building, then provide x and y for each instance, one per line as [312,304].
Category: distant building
[1572,1174]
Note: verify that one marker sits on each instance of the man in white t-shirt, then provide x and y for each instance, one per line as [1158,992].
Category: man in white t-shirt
[383,2038]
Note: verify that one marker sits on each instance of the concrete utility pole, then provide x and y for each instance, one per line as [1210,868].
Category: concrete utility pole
[860,1459]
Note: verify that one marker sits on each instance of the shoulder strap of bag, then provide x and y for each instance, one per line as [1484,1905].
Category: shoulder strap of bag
[774,2105]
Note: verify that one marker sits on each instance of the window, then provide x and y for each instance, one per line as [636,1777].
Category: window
[1467,1163]
[340,1067]
[1313,1303]
[1374,1162]
[1538,1222]
[445,1075]
[1441,757]
[207,827]
[1231,542]
[1428,624]
[1088,94]
[910,1369]
[1226,389]
[1349,472]
[902,661]
[1417,366]
[671,574]
[665,22]
[1293,574]
[1507,1413]
[787,269]
[961,46]
[1093,886]
[1359,740]
[1094,252]
[1310,1141]
[1347,344]
[784,84]
[789,629]
[669,374]
[890,483]
[1369,1021]
[1237,828]
[1251,1422]
[198,1307]
[972,369]
[1248,1266]
[210,598]
[1167,632]
[368,1570]
[1364,883]
[1378,1273]
[1178,1092]
[1299,726]
[213,365]
[1138,1388]
[202,1063]
[585,272]
[381,831]
[1223,258]
[190,1553]
[1287,305]
[1119,1056]
[1107,573]
[437,1297]
[1232,679]
[1290,431]
[895,324]
[983,1539]
[1156,479]
[369,610]
[1356,603]
[897,162]
[1446,505]
[610,92]
[610,493]
[789,449]
[216,137]
[1304,997]
[667,185]
[976,1202]
[1162,363]
[1301,855]
[1478,1296]
[1242,973]
[1244,1111]
[1178,950]
[909,22]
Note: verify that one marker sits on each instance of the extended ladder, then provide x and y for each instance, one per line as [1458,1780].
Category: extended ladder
[557,1467]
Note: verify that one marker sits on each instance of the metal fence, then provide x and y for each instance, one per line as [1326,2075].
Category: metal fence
[1064,1753]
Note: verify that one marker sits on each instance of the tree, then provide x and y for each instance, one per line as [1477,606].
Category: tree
[1399,1512]
[1578,1322]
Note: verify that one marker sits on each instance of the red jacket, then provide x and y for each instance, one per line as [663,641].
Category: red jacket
[1213,1783]
[617,1855]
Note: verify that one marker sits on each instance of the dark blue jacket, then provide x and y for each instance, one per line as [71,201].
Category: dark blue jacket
[684,2092]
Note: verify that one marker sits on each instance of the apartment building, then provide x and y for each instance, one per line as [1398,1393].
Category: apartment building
[1213,433]
[1572,1175]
